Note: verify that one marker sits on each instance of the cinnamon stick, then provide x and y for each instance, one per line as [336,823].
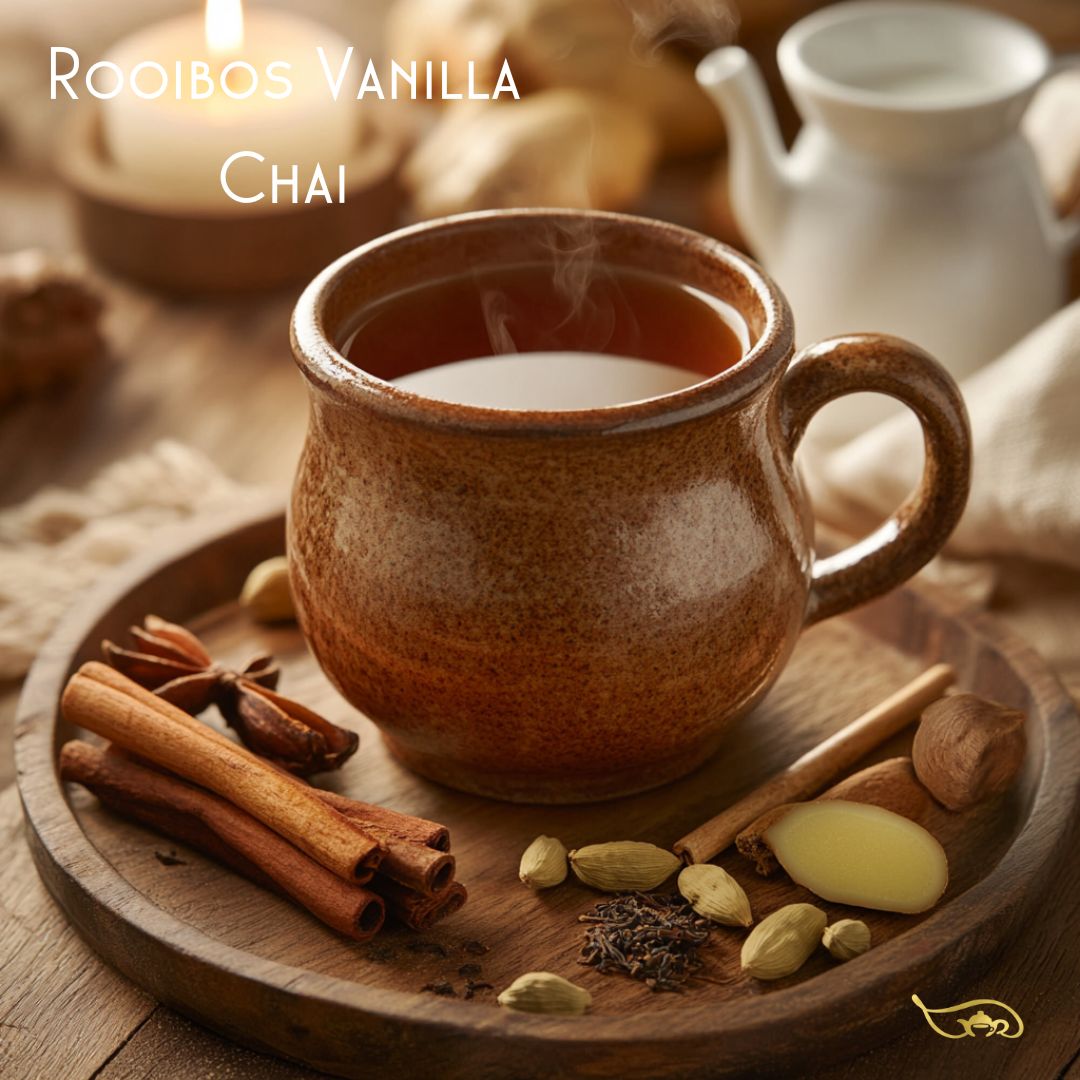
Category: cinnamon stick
[415,866]
[816,768]
[363,877]
[394,823]
[104,701]
[415,850]
[416,911]
[226,833]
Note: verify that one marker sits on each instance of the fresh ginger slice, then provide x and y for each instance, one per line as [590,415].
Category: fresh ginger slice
[859,854]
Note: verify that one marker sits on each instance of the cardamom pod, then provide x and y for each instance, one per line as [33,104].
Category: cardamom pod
[543,863]
[266,593]
[543,992]
[782,942]
[623,865]
[715,894]
[846,939]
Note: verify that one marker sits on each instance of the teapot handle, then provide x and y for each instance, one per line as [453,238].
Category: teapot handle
[1067,227]
[919,528]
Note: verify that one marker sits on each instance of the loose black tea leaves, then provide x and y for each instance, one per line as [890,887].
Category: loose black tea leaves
[651,938]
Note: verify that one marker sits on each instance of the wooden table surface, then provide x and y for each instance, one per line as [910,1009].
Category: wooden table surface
[220,378]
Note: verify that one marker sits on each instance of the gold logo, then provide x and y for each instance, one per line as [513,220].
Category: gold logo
[978,1023]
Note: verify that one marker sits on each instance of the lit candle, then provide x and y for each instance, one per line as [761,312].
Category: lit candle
[176,142]
[548,381]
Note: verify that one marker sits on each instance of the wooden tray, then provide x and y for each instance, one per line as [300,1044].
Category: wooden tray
[264,973]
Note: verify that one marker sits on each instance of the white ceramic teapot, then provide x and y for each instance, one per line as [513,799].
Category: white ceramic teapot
[910,202]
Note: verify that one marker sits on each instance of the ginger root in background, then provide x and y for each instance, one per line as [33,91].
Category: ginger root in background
[602,101]
[555,148]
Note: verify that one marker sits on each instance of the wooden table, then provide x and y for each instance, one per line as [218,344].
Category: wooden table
[220,378]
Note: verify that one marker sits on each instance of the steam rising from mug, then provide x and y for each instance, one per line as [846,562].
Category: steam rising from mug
[701,23]
[496,308]
[576,266]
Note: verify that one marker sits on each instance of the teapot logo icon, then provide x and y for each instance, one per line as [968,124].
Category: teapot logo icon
[978,1023]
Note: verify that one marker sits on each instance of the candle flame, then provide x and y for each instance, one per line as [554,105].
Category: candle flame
[224,26]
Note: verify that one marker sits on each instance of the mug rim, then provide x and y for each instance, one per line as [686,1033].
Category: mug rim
[324,366]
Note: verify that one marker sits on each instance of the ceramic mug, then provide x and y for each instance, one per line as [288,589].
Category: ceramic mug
[568,606]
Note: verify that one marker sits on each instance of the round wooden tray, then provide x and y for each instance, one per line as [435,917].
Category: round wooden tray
[264,973]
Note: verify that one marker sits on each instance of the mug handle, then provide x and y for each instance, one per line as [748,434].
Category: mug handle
[919,528]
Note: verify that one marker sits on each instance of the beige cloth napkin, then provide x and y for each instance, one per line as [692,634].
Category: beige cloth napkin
[59,541]
[1025,419]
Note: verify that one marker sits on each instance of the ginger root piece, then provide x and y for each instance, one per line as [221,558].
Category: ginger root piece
[858,854]
[592,45]
[666,90]
[456,31]
[968,749]
[891,784]
[558,148]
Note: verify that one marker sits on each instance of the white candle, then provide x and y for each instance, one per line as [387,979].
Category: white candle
[176,146]
[548,381]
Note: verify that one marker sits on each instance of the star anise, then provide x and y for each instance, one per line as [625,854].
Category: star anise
[172,662]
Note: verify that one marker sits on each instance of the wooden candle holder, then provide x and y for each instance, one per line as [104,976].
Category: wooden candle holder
[192,250]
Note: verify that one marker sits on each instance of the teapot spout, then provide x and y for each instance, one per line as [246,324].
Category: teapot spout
[757,168]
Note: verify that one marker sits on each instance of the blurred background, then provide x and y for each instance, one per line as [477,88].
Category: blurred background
[126,404]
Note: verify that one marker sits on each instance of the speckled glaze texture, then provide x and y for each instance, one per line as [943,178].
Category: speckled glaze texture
[562,607]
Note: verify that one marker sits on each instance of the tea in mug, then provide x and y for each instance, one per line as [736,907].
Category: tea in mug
[539,336]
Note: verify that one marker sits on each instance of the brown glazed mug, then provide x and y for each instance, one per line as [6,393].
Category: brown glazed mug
[567,606]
